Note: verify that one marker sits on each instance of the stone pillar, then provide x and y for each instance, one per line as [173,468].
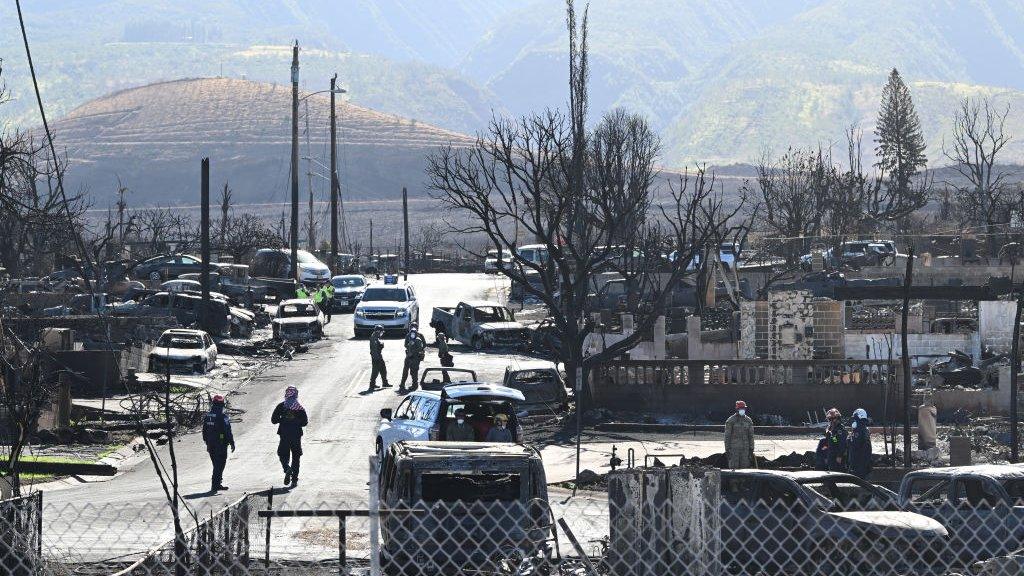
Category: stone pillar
[627,324]
[659,352]
[693,347]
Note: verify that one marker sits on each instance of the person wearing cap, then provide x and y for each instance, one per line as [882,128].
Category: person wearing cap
[217,436]
[415,350]
[835,454]
[859,456]
[739,438]
[460,430]
[500,431]
[377,359]
[290,418]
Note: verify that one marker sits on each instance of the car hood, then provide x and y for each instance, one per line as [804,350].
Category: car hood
[384,305]
[347,292]
[502,326]
[894,520]
[177,353]
[295,320]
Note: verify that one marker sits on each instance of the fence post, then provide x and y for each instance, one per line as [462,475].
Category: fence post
[270,506]
[342,568]
[374,505]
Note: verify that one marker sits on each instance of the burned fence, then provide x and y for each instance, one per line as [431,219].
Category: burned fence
[786,387]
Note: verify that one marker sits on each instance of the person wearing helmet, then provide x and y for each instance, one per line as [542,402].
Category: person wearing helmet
[859,456]
[835,453]
[415,350]
[217,436]
[500,431]
[377,359]
[739,438]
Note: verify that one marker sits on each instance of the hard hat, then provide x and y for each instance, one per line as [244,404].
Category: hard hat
[740,404]
[217,399]
[860,414]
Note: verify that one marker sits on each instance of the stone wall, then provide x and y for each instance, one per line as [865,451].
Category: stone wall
[923,348]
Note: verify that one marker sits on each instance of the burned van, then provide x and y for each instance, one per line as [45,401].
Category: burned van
[461,507]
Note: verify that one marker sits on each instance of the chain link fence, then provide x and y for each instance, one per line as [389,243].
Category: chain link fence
[649,522]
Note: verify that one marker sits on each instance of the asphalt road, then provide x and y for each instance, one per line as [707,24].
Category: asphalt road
[128,513]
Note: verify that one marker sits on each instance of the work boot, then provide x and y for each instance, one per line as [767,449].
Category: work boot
[287,476]
[221,487]
[371,388]
[295,481]
[401,390]
[385,385]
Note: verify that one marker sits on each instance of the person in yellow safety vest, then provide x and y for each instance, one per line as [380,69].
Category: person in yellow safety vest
[301,292]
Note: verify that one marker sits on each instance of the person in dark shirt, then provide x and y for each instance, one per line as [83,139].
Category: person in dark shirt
[217,436]
[500,431]
[290,418]
[836,442]
[860,445]
[460,430]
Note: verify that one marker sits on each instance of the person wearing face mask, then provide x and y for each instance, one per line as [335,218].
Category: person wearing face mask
[860,445]
[415,347]
[739,438]
[836,442]
[460,430]
[500,431]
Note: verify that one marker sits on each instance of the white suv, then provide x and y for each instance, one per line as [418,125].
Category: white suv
[391,304]
[425,415]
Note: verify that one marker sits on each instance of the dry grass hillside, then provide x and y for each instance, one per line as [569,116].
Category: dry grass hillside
[153,137]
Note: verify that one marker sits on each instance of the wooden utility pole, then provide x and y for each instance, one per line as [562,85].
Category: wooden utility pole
[908,281]
[405,220]
[311,219]
[204,232]
[1014,371]
[371,237]
[334,175]
[294,235]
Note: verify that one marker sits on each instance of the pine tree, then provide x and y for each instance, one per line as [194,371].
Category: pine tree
[901,145]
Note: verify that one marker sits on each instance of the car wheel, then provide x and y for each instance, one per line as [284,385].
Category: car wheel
[155,276]
[205,367]
[477,343]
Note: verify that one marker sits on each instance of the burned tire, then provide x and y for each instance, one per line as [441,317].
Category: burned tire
[478,343]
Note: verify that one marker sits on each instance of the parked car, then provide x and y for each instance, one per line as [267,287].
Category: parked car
[426,414]
[481,324]
[169,266]
[541,385]
[183,351]
[348,291]
[856,254]
[545,339]
[982,506]
[186,308]
[80,304]
[478,504]
[778,522]
[536,253]
[492,264]
[298,320]
[436,378]
[277,263]
[391,304]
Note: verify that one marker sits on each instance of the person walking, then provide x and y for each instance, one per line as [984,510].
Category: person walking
[290,418]
[739,438]
[860,445]
[377,359]
[217,436]
[460,430]
[444,356]
[415,350]
[835,442]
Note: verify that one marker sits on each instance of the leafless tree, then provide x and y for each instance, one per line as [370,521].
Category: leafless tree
[978,138]
[429,238]
[225,210]
[26,389]
[587,197]
[246,233]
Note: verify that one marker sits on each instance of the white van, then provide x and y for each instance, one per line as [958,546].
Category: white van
[536,253]
[425,415]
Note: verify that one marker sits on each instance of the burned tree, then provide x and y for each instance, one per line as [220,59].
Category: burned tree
[27,387]
[241,235]
[588,198]
[986,199]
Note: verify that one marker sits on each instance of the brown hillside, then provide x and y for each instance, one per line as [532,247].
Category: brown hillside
[153,137]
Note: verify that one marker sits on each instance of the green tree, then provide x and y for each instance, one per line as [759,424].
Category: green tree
[901,146]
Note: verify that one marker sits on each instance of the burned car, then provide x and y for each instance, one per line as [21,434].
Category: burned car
[481,325]
[982,506]
[778,522]
[436,378]
[183,351]
[299,320]
[541,385]
[470,507]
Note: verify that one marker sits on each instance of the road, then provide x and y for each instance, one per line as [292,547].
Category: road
[128,513]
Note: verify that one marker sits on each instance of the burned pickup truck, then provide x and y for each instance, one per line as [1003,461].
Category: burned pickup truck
[298,320]
[468,507]
[482,325]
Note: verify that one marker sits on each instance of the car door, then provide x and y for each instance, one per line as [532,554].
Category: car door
[426,417]
[397,428]
[465,321]
[982,522]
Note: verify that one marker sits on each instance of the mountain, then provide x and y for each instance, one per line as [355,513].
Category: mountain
[153,137]
[389,54]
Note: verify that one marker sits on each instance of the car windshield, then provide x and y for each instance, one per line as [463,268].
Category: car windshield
[179,341]
[384,295]
[307,258]
[492,314]
[470,486]
[296,310]
[537,386]
[347,282]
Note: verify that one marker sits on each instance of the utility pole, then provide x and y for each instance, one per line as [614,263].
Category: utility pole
[204,233]
[311,223]
[371,237]
[294,236]
[405,219]
[908,281]
[1014,371]
[334,175]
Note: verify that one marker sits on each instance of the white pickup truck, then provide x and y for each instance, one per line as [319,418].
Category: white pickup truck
[481,324]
